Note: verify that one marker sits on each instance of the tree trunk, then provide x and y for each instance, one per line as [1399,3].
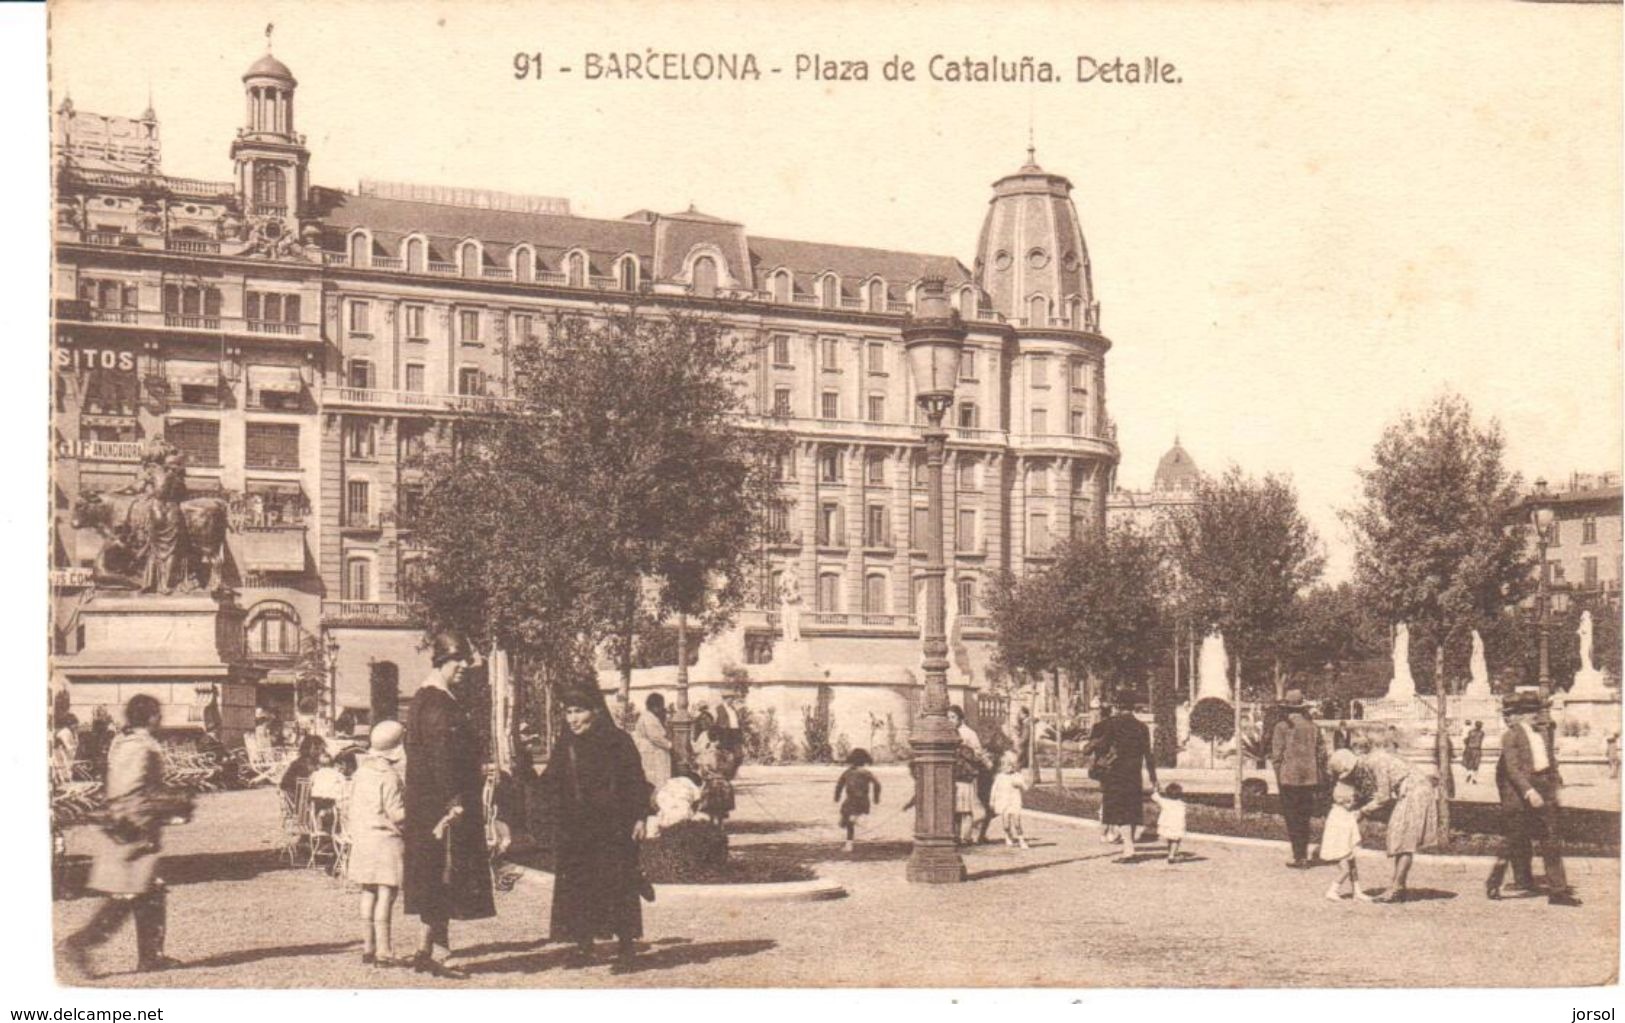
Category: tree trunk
[1239,758]
[1441,741]
[1280,681]
[628,633]
[1060,781]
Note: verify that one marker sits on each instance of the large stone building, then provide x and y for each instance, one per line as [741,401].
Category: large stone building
[300,343]
[1173,487]
[1583,554]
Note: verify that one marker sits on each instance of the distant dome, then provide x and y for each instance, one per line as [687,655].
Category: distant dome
[269,67]
[1176,471]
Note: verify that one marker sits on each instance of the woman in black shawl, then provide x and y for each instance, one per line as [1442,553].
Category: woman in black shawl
[595,778]
[448,869]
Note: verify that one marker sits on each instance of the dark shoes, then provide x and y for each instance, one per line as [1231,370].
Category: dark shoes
[1492,891]
[1299,865]
[425,963]
[1563,898]
[157,964]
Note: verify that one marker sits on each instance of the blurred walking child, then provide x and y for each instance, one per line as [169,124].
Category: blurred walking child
[1005,798]
[1339,841]
[852,792]
[1171,817]
[377,851]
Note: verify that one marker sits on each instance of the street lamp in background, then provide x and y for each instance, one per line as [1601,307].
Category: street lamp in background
[1541,517]
[933,338]
[330,647]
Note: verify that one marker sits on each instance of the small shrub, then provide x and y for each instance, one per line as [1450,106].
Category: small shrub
[788,751]
[685,853]
[761,736]
[1213,719]
[843,748]
[815,722]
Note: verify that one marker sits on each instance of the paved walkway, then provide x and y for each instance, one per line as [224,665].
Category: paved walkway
[1060,914]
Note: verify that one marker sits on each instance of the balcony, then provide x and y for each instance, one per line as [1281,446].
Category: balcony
[113,239]
[196,246]
[366,612]
[135,179]
[153,319]
[374,398]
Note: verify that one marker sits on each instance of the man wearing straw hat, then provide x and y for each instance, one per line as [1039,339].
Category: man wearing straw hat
[1296,753]
[1527,778]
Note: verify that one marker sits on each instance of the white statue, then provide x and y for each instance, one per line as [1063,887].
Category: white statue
[790,608]
[1480,682]
[1402,687]
[1588,681]
[1213,668]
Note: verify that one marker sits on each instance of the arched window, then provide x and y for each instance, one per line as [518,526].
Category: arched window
[1037,311]
[417,259]
[270,186]
[877,296]
[829,292]
[575,269]
[273,632]
[524,265]
[967,303]
[874,594]
[705,277]
[360,251]
[629,273]
[781,286]
[470,254]
[829,592]
[1074,313]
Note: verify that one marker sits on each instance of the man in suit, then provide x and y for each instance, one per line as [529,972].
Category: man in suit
[1297,755]
[1529,783]
[1342,738]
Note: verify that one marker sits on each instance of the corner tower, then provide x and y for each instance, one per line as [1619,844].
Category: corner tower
[271,160]
[1031,260]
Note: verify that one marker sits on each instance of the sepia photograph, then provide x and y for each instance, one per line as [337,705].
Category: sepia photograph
[832,495]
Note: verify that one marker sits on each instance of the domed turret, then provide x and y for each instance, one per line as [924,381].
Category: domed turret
[1031,259]
[269,67]
[1176,471]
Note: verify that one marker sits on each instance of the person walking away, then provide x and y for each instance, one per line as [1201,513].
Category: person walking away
[653,741]
[1295,753]
[1472,752]
[377,850]
[125,861]
[447,866]
[1339,840]
[594,780]
[1529,785]
[1120,746]
[1171,817]
[1005,799]
[852,791]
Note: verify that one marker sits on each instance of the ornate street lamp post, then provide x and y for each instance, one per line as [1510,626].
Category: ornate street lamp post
[330,647]
[933,338]
[682,724]
[1542,517]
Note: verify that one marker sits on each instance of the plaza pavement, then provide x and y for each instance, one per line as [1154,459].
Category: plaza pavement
[1060,914]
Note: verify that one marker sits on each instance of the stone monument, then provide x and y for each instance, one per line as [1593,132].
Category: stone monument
[1213,668]
[1401,687]
[1479,684]
[1589,682]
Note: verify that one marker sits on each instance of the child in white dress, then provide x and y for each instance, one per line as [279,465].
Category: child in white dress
[1338,842]
[377,851]
[1005,799]
[1171,817]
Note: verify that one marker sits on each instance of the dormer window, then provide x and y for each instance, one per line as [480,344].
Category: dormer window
[469,254]
[360,249]
[1038,311]
[829,292]
[705,277]
[575,270]
[629,273]
[782,286]
[524,264]
[877,296]
[417,256]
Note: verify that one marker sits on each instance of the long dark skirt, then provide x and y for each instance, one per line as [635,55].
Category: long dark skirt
[1121,802]
[595,889]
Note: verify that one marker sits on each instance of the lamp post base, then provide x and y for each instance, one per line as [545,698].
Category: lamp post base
[935,858]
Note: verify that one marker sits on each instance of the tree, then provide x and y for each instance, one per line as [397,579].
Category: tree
[1328,636]
[1432,542]
[1244,553]
[624,483]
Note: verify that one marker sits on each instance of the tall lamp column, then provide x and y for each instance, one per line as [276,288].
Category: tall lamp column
[1542,517]
[933,339]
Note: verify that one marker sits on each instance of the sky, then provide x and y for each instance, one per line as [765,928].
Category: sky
[1337,214]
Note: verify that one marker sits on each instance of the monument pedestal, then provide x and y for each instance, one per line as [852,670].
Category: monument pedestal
[180,649]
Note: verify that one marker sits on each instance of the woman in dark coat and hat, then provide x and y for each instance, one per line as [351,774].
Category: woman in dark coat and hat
[1120,744]
[595,779]
[448,869]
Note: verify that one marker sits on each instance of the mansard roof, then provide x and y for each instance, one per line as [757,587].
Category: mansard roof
[854,263]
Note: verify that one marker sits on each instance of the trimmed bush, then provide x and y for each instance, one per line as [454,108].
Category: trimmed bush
[1213,719]
[692,852]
